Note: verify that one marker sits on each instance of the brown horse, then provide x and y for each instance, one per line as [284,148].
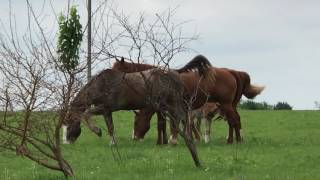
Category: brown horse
[198,63]
[219,85]
[112,90]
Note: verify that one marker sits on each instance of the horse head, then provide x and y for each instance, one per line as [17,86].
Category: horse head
[121,65]
[141,125]
[72,122]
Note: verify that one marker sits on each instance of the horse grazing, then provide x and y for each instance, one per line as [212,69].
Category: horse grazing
[199,63]
[112,90]
[218,85]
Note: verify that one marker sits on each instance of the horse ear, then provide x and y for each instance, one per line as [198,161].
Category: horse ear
[122,59]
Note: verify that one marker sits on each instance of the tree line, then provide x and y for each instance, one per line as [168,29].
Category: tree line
[252,105]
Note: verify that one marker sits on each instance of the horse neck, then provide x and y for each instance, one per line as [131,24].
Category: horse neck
[79,103]
[148,113]
[133,67]
[140,67]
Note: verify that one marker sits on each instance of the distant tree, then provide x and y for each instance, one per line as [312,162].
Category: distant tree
[251,105]
[282,106]
[317,104]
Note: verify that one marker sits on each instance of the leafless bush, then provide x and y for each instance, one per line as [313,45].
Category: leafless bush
[36,92]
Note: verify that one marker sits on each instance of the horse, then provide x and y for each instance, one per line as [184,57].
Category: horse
[199,63]
[207,112]
[112,90]
[220,85]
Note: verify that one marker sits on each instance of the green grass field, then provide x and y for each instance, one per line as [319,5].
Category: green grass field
[277,145]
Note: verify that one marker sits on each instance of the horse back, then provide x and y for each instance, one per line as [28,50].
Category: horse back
[223,87]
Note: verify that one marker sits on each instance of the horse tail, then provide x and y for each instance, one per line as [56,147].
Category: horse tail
[250,90]
[240,86]
[200,63]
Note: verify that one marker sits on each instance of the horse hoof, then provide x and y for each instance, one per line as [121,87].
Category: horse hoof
[229,141]
[173,142]
[206,139]
[112,143]
[240,140]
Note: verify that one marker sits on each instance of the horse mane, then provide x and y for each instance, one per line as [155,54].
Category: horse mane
[78,99]
[199,62]
[129,67]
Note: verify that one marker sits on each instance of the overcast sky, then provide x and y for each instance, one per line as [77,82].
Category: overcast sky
[276,41]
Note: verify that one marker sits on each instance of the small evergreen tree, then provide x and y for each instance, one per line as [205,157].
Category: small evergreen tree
[282,106]
[317,105]
[69,40]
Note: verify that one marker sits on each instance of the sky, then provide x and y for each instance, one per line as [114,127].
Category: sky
[276,41]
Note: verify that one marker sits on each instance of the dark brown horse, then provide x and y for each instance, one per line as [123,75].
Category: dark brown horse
[219,85]
[112,90]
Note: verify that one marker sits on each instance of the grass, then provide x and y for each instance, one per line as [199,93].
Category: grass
[278,145]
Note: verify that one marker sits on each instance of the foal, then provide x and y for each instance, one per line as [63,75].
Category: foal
[207,112]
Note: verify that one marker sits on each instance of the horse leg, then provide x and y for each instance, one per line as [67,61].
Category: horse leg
[184,134]
[233,121]
[87,117]
[230,136]
[208,122]
[159,140]
[195,129]
[174,132]
[238,127]
[109,122]
[187,136]
[64,134]
[162,134]
[198,124]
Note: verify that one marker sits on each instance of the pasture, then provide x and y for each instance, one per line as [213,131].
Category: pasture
[277,145]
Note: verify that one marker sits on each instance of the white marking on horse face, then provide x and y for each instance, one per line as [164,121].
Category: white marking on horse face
[64,135]
[206,138]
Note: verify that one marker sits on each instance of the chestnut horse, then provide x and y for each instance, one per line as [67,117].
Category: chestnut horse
[219,85]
